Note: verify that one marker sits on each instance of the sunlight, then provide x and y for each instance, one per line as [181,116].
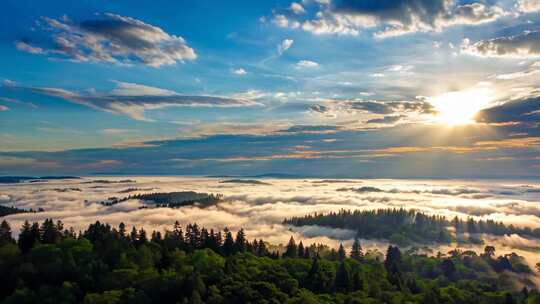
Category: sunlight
[460,107]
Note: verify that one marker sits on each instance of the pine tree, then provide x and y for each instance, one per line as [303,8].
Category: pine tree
[301,250]
[26,242]
[291,251]
[134,236]
[49,232]
[142,236]
[5,234]
[356,250]
[307,253]
[122,230]
[240,242]
[261,248]
[228,244]
[341,253]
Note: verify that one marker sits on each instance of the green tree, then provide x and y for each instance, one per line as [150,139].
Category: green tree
[291,250]
[356,250]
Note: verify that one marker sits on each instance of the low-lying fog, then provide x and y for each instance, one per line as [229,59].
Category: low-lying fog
[260,207]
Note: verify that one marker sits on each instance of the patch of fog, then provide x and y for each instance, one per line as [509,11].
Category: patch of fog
[261,208]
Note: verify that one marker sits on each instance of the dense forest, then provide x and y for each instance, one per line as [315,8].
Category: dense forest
[104,264]
[171,199]
[404,227]
[7,210]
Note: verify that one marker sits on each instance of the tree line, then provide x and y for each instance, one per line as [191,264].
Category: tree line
[50,263]
[171,199]
[404,227]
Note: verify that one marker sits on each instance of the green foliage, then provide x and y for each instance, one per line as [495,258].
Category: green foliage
[105,265]
[171,199]
[405,227]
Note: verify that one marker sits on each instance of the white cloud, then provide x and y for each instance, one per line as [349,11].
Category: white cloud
[3,108]
[115,39]
[23,46]
[307,64]
[134,100]
[284,45]
[528,6]
[525,45]
[239,71]
[297,8]
[397,18]
[282,21]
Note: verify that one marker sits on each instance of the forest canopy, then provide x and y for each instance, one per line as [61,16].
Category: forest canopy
[404,227]
[50,263]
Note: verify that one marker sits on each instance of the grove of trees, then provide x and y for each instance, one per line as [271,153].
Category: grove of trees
[50,263]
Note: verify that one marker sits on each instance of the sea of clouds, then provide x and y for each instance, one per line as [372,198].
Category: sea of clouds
[260,207]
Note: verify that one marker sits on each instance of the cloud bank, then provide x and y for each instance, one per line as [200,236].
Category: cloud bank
[389,18]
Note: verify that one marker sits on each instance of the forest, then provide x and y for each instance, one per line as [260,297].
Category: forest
[406,227]
[49,263]
[7,210]
[171,199]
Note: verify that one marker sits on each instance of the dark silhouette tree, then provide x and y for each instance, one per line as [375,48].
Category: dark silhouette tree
[228,244]
[291,250]
[240,241]
[341,252]
[356,250]
[5,234]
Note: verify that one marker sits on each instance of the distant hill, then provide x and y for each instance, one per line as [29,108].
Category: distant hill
[244,181]
[21,179]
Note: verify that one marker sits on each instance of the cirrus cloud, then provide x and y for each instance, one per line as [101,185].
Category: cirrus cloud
[134,100]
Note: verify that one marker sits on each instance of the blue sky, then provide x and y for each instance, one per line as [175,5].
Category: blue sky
[421,88]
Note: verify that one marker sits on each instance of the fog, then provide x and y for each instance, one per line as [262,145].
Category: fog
[260,208]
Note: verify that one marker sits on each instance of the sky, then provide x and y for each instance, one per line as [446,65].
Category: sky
[321,88]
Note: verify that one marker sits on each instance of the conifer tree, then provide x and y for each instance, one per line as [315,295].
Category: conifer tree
[356,250]
[291,251]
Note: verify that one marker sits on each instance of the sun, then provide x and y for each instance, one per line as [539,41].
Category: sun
[460,107]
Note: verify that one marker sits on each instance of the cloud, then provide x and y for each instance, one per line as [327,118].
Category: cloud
[516,75]
[311,129]
[318,108]
[525,45]
[297,8]
[112,38]
[112,131]
[239,71]
[418,105]
[525,110]
[390,119]
[284,45]
[392,18]
[16,101]
[307,64]
[3,108]
[528,6]
[134,100]
[23,46]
